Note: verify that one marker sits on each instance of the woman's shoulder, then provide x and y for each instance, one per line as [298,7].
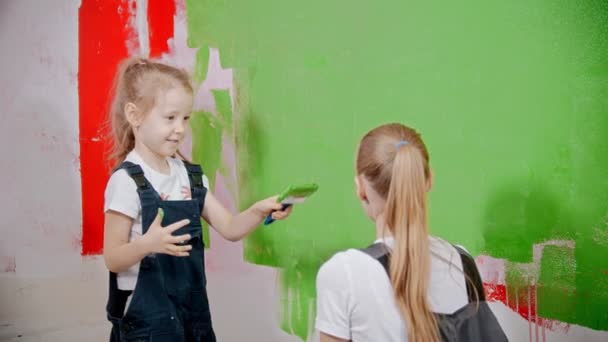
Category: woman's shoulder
[348,257]
[442,246]
[335,262]
[349,265]
[335,273]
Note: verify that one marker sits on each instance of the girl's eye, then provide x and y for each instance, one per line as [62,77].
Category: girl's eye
[186,118]
[170,117]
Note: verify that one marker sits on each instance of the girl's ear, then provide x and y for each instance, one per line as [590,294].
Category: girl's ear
[132,114]
[360,189]
[429,182]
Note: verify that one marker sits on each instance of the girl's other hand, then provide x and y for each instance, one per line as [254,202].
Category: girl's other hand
[158,239]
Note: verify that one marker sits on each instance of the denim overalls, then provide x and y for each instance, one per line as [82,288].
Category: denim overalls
[169,302]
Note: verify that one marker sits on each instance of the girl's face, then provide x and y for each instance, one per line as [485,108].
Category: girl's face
[163,128]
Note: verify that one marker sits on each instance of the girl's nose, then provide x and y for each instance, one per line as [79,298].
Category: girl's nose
[180,127]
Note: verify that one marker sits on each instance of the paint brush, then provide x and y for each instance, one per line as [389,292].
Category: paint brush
[294,194]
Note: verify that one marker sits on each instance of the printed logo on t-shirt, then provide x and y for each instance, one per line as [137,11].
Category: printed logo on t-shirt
[185,191]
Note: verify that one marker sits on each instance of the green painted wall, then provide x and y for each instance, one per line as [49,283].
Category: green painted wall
[510,96]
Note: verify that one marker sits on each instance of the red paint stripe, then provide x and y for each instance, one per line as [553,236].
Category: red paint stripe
[103,31]
[523,302]
[161,15]
[495,292]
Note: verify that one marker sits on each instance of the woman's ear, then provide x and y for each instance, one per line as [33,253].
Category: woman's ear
[132,114]
[429,182]
[360,189]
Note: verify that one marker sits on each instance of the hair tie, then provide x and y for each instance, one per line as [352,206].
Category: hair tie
[401,144]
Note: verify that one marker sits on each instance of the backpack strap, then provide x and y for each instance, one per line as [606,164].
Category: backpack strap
[474,282]
[380,252]
[195,174]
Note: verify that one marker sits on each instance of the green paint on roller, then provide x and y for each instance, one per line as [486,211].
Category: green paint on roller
[294,192]
[510,99]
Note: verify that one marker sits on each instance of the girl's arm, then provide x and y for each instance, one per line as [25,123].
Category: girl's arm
[120,254]
[235,227]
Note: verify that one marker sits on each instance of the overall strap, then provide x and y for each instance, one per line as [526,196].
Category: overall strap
[380,252]
[195,174]
[147,195]
[144,188]
[136,173]
[117,298]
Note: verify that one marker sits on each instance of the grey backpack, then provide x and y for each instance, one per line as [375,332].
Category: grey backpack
[474,321]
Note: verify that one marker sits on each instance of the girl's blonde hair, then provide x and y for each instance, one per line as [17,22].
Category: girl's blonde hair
[395,161]
[138,81]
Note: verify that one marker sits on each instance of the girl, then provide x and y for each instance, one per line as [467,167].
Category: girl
[153,246]
[425,286]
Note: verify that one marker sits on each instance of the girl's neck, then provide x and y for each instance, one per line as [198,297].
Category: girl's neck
[156,162]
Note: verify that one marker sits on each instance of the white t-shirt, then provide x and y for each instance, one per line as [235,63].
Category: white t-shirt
[121,196]
[355,299]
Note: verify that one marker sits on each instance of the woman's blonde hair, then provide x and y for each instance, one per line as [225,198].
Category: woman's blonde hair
[394,159]
[138,81]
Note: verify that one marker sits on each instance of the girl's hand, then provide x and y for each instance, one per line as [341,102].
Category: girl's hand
[269,206]
[158,239]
